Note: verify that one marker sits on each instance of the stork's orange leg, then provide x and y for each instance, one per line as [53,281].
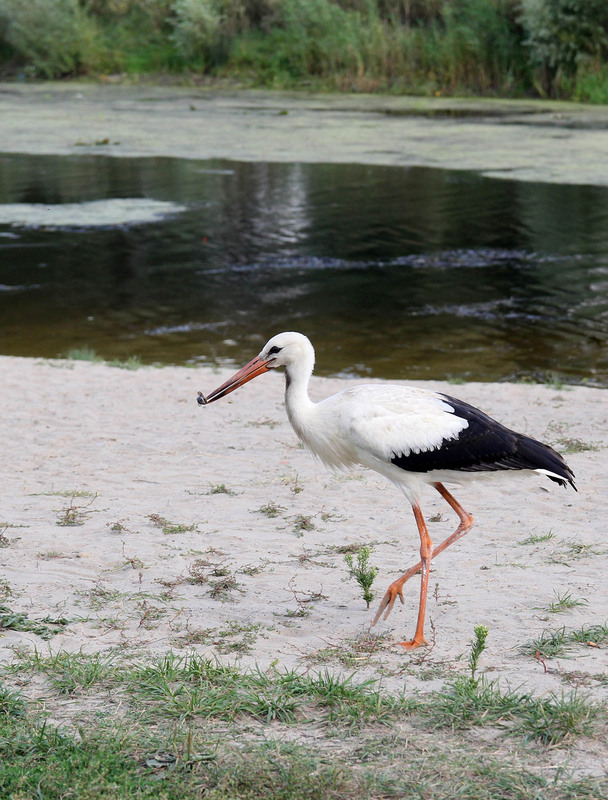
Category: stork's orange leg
[395,590]
[426,553]
[466,520]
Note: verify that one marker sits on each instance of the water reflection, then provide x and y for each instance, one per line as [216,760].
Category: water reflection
[402,273]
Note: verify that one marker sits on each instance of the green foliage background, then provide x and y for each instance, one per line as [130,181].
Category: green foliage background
[556,48]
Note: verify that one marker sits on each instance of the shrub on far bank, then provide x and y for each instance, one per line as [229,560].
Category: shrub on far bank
[499,47]
[52,37]
[568,46]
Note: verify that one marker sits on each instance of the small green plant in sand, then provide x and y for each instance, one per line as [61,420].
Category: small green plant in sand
[303,523]
[75,514]
[352,653]
[237,637]
[293,482]
[548,645]
[477,648]
[221,488]
[202,571]
[198,571]
[99,596]
[251,569]
[351,547]
[583,678]
[4,540]
[49,555]
[119,527]
[362,572]
[46,628]
[150,615]
[170,528]
[558,436]
[222,588]
[5,589]
[304,600]
[271,510]
[297,613]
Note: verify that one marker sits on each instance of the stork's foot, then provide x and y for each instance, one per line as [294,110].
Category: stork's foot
[394,591]
[417,641]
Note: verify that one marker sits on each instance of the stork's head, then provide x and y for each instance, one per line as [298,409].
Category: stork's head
[290,349]
[286,349]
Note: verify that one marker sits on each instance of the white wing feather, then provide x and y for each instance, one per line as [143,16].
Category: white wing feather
[393,420]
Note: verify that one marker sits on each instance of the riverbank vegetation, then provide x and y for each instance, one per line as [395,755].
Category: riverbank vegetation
[547,48]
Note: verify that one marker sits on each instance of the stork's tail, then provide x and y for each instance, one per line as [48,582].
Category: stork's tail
[535,455]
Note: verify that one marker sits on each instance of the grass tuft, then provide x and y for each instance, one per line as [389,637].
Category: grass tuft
[11,703]
[130,363]
[83,353]
[565,602]
[553,720]
[551,644]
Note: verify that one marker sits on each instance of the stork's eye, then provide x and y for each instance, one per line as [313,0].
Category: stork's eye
[274,350]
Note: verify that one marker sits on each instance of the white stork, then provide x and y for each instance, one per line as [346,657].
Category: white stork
[412,436]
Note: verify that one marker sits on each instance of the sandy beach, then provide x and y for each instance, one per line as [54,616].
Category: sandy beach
[170,498]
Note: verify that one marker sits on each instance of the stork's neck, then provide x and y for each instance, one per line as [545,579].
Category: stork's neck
[300,407]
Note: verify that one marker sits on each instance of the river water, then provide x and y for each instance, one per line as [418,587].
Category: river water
[392,272]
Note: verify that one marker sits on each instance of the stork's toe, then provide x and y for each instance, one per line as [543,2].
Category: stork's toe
[414,643]
[394,591]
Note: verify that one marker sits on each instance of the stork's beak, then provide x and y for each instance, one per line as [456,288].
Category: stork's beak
[256,367]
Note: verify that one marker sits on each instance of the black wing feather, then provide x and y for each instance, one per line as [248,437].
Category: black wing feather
[486,446]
